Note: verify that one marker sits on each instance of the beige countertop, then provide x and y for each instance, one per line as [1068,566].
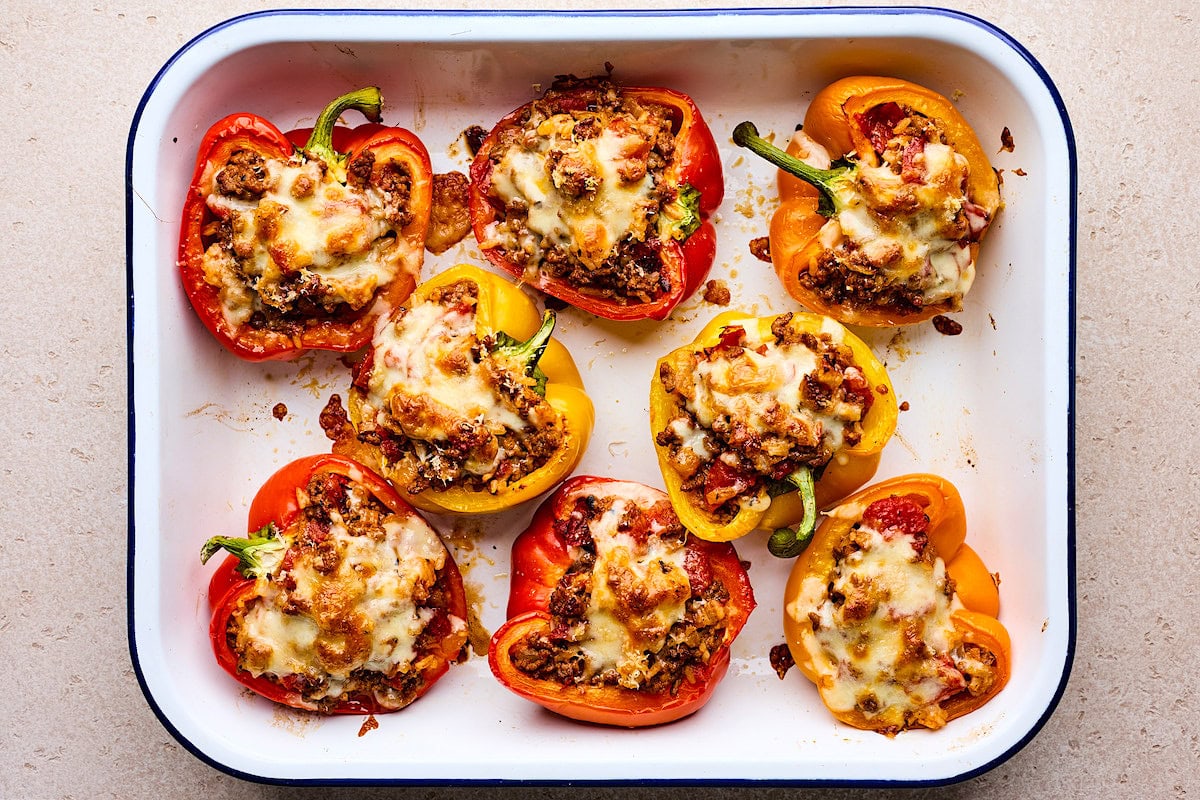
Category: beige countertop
[76,724]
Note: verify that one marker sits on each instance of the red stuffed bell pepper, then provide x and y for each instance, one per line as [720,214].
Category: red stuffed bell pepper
[302,240]
[341,600]
[599,195]
[617,615]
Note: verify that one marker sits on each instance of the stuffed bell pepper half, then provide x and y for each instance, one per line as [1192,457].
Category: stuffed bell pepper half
[341,599]
[600,195]
[300,241]
[763,421]
[885,195]
[463,400]
[617,615]
[891,615]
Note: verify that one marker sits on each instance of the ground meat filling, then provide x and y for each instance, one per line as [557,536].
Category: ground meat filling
[741,427]
[565,652]
[276,269]
[585,186]
[858,274]
[427,442]
[328,500]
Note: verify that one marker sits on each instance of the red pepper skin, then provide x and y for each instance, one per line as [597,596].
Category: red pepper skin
[686,264]
[540,558]
[276,503]
[345,333]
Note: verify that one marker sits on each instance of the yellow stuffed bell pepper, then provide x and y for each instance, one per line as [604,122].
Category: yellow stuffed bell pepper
[891,615]
[463,400]
[761,421]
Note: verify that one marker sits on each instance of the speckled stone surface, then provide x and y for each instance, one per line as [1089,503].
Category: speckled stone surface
[75,723]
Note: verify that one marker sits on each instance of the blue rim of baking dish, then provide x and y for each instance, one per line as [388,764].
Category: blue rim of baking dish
[1072,624]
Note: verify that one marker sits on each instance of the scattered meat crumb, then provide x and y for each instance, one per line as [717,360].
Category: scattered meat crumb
[781,660]
[279,411]
[1019,171]
[904,406]
[474,137]
[717,293]
[946,326]
[369,724]
[1006,140]
[449,215]
[881,389]
[760,248]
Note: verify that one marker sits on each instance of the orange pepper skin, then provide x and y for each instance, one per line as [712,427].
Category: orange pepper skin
[849,469]
[830,121]
[975,622]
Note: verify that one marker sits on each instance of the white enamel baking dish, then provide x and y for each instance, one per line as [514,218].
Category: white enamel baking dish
[990,409]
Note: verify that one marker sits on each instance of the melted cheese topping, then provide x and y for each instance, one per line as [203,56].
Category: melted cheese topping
[426,381]
[355,605]
[306,223]
[886,646]
[639,590]
[612,209]
[909,229]
[763,390]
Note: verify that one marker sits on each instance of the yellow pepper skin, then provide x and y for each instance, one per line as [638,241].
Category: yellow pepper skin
[975,622]
[500,306]
[849,469]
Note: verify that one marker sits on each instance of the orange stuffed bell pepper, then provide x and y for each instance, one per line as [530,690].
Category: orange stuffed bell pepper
[299,241]
[761,421]
[891,615]
[617,615]
[463,400]
[886,194]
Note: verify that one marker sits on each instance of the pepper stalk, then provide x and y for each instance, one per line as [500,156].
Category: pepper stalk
[790,542]
[528,353]
[368,100]
[257,555]
[825,181]
[682,214]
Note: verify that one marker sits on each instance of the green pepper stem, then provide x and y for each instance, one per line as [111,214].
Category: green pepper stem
[257,555]
[320,142]
[790,542]
[683,214]
[823,180]
[529,352]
